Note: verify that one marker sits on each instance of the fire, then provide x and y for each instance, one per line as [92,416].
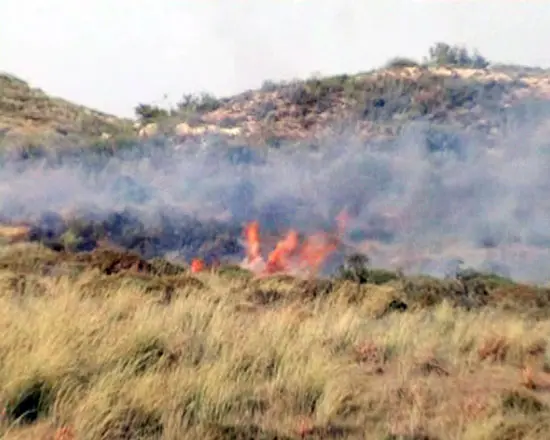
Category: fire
[316,249]
[290,253]
[278,259]
[252,232]
[197,265]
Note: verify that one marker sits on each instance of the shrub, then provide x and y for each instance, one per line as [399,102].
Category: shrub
[356,268]
[401,62]
[443,54]
[148,113]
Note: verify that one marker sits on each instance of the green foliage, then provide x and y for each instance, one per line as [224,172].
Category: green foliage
[443,54]
[189,106]
[357,268]
[202,103]
[148,113]
[401,62]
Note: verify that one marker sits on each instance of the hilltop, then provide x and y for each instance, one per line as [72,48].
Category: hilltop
[449,90]
[368,106]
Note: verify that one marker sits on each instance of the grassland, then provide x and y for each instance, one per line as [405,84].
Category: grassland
[94,348]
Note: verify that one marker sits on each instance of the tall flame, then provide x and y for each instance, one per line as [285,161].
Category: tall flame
[290,254]
[278,259]
[252,232]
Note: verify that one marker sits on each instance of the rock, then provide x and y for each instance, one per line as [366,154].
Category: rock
[184,129]
[149,130]
[231,131]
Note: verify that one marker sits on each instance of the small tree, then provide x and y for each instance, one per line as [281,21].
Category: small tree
[442,54]
[148,113]
[202,103]
[357,268]
[401,62]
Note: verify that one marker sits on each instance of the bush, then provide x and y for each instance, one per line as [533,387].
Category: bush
[148,113]
[442,54]
[356,268]
[202,103]
[401,62]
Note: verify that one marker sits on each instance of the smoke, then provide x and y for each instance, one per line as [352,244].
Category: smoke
[423,201]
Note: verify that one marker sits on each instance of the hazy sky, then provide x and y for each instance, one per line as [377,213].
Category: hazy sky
[112,54]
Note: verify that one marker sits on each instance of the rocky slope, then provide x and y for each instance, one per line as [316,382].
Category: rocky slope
[377,104]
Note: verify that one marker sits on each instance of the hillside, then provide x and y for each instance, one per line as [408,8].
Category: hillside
[373,105]
[29,114]
[461,109]
[360,256]
[367,106]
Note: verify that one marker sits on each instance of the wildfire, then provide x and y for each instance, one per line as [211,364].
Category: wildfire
[290,254]
[278,259]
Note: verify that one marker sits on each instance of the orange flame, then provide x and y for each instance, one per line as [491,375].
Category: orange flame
[278,260]
[197,265]
[289,254]
[252,232]
[316,250]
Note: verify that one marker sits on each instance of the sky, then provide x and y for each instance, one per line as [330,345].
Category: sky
[113,54]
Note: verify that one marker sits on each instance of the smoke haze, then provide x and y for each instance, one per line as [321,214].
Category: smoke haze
[414,203]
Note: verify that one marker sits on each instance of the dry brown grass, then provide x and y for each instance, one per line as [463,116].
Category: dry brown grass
[86,355]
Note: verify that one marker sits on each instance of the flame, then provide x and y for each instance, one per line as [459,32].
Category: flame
[278,260]
[252,232]
[316,249]
[290,254]
[197,265]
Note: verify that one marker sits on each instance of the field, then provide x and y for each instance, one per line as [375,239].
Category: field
[95,349]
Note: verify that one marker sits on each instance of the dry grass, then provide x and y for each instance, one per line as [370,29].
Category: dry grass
[87,355]
[31,120]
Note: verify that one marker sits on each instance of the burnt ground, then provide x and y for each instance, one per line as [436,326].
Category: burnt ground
[184,235]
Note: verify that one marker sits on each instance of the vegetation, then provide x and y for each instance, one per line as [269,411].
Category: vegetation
[148,113]
[442,54]
[404,91]
[190,105]
[92,348]
[31,109]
